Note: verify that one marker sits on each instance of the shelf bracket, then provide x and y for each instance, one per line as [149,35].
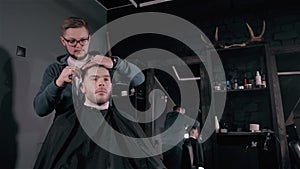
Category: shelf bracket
[184,79]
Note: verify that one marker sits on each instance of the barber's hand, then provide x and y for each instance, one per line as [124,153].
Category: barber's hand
[99,60]
[67,75]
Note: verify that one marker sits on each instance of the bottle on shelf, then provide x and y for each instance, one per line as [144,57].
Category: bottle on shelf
[217,86]
[258,80]
[245,80]
[235,84]
[263,81]
[228,84]
[251,82]
[224,128]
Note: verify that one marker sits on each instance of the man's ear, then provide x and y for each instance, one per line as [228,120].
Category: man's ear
[62,40]
[82,88]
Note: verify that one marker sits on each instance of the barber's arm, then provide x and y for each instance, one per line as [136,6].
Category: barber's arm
[129,70]
[49,93]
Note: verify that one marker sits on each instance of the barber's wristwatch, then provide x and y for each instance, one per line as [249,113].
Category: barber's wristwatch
[115,61]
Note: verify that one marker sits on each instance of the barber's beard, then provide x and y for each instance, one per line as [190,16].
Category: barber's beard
[76,57]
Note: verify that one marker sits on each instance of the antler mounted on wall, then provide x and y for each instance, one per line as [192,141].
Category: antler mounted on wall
[252,38]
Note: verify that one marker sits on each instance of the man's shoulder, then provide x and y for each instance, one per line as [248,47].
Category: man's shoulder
[61,60]
[190,140]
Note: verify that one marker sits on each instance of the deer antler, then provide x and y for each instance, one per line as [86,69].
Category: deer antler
[217,34]
[219,45]
[252,39]
[258,38]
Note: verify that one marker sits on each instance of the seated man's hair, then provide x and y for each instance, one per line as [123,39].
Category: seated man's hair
[83,73]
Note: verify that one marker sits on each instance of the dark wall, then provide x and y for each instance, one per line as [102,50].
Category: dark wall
[34,25]
[282,20]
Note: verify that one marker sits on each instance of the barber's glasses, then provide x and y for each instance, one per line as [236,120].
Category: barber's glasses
[73,42]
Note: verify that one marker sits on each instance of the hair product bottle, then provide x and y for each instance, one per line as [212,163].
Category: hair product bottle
[258,80]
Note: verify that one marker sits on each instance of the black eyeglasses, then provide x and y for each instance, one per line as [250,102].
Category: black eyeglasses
[73,42]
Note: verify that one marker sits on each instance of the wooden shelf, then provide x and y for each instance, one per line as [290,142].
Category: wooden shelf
[242,90]
[245,133]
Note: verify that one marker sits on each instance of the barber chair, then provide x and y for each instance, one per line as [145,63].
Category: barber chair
[294,148]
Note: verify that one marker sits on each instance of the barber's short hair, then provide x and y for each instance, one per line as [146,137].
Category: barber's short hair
[73,22]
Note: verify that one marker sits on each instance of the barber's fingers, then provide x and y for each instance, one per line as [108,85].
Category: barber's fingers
[68,73]
[66,76]
[99,60]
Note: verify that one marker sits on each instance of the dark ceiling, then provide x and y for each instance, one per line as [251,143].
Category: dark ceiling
[224,4]
[208,9]
[113,4]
